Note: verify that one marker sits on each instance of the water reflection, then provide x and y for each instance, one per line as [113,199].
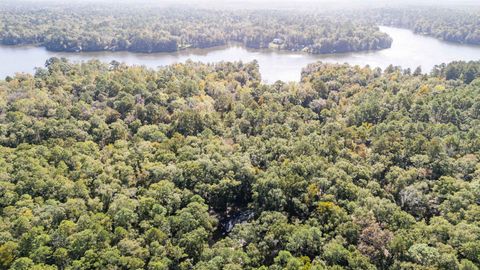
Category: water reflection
[408,50]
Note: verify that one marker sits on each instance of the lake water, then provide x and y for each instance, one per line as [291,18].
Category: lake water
[408,50]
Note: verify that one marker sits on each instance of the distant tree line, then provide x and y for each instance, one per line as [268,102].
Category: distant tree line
[169,30]
[454,25]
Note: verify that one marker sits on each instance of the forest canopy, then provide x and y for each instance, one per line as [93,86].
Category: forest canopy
[194,166]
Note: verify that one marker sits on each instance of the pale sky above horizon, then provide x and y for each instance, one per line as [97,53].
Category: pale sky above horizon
[262,4]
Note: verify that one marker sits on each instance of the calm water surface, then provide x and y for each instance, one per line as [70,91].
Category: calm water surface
[408,50]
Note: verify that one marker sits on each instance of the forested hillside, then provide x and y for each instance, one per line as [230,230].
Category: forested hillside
[139,29]
[204,167]
[454,25]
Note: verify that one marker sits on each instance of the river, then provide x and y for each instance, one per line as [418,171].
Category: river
[408,50]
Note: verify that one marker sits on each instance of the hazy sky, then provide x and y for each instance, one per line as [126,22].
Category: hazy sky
[275,4]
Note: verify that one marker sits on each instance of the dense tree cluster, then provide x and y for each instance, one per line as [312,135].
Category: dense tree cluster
[168,30]
[458,70]
[116,167]
[454,25]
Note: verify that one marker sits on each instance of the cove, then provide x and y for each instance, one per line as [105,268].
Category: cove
[408,50]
